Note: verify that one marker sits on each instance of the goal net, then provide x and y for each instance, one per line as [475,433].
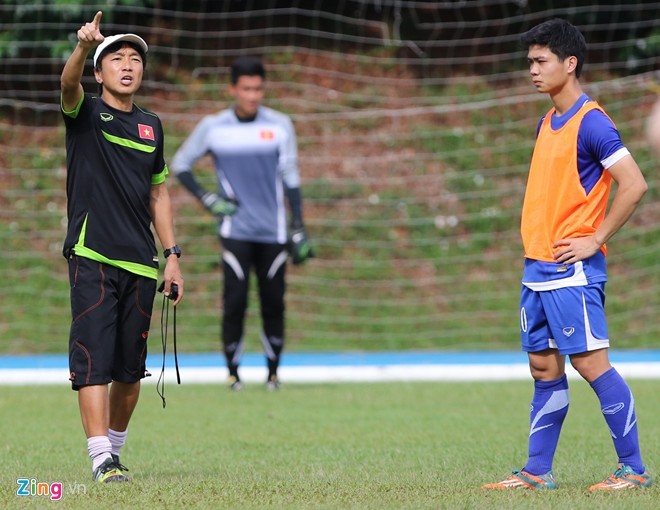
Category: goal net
[415,124]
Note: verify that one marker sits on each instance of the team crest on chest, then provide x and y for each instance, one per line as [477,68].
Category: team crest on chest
[266,134]
[146,132]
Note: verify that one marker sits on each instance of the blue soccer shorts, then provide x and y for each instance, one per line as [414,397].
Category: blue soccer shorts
[570,319]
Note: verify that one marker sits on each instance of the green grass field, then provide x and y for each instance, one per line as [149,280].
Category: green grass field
[381,446]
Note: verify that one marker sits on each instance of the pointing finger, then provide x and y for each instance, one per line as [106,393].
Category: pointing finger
[97,19]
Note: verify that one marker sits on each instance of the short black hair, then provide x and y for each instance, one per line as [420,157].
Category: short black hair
[247,66]
[116,47]
[562,38]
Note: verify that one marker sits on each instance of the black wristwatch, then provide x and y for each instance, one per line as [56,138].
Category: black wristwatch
[173,250]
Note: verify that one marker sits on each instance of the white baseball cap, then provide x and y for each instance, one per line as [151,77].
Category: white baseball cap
[132,38]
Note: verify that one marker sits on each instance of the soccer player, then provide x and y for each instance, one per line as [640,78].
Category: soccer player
[115,192]
[255,153]
[564,229]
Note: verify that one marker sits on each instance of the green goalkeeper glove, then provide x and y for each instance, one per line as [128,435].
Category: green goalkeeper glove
[219,206]
[299,246]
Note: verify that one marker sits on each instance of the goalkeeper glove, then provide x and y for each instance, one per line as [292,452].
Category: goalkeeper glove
[219,206]
[299,246]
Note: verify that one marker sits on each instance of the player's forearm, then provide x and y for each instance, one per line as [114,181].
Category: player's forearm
[74,68]
[162,219]
[161,215]
[295,203]
[70,85]
[187,179]
[623,206]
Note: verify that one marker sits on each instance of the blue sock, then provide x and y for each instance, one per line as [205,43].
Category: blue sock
[618,407]
[549,409]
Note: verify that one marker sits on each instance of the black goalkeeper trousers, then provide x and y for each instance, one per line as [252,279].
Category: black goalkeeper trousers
[239,258]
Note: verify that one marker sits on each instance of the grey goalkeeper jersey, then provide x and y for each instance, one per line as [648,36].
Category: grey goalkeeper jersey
[254,161]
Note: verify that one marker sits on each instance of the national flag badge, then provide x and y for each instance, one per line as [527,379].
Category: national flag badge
[146,132]
[267,134]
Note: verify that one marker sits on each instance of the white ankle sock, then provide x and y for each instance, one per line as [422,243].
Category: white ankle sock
[99,449]
[117,440]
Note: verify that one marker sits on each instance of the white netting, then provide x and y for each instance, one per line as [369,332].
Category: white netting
[415,122]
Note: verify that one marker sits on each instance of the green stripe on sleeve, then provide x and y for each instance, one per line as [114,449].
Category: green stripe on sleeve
[73,113]
[160,177]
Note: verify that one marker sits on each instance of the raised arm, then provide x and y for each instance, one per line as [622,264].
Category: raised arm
[89,36]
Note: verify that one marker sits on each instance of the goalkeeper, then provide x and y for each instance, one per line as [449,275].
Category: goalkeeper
[255,153]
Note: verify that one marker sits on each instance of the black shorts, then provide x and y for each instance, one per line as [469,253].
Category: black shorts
[111,314]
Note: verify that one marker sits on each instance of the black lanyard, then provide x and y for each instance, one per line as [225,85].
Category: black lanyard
[164,322]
